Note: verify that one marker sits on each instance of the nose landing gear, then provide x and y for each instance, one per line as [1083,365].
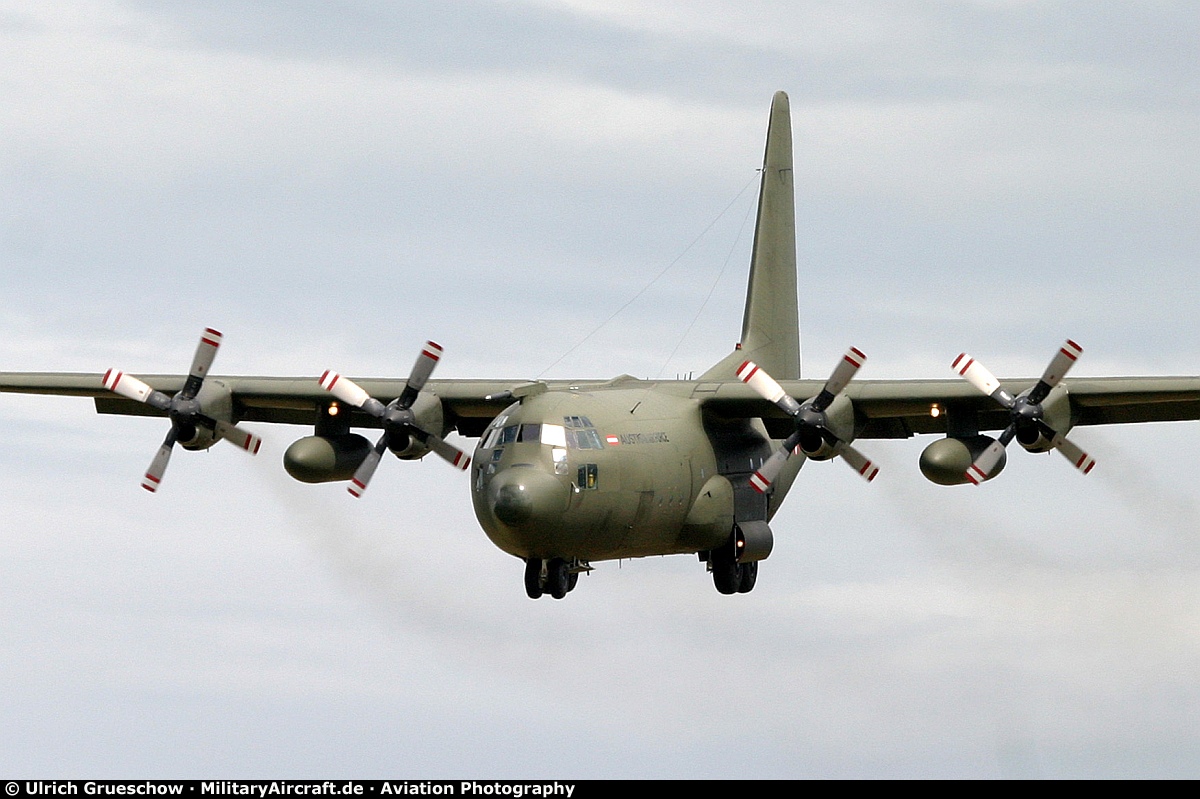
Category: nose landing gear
[556,576]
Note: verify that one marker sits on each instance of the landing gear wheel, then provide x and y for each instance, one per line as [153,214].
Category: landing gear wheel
[749,576]
[533,578]
[726,571]
[558,578]
[574,578]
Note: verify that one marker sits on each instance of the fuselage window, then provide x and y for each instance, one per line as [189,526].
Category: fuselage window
[587,476]
[554,435]
[580,434]
[494,431]
[507,435]
[587,439]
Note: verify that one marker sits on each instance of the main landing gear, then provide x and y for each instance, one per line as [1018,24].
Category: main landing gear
[730,576]
[556,577]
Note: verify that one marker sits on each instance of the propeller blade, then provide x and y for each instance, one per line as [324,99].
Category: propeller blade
[206,351]
[1060,364]
[844,372]
[766,387]
[979,376]
[238,436]
[859,462]
[847,367]
[362,476]
[130,387]
[158,466]
[1083,462]
[449,453]
[422,369]
[424,365]
[979,471]
[761,480]
[350,392]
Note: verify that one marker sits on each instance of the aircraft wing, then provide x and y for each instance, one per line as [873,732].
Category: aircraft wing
[280,400]
[884,408]
[902,408]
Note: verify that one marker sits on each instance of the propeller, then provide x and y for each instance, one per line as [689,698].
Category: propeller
[1025,411]
[399,422]
[183,409]
[812,424]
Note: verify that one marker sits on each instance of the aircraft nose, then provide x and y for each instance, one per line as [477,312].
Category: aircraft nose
[525,495]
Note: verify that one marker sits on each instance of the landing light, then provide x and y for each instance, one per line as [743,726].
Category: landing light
[935,410]
[333,409]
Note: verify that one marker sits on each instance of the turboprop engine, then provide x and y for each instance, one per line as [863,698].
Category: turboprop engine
[217,401]
[335,455]
[824,424]
[200,413]
[1039,417]
[408,421]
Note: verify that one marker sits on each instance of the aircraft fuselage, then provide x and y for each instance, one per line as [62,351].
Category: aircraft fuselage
[611,473]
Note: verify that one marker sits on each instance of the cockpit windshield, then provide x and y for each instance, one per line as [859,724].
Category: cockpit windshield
[551,434]
[576,432]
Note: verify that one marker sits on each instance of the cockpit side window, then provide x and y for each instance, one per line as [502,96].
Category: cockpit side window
[580,434]
[584,439]
[494,431]
[587,476]
[554,435]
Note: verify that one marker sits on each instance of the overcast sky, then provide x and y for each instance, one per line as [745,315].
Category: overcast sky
[330,184]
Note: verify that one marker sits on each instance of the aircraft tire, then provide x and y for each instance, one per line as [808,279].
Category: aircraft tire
[558,578]
[574,578]
[726,571]
[533,578]
[749,577]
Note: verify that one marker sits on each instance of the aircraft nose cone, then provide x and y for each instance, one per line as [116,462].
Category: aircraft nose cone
[520,496]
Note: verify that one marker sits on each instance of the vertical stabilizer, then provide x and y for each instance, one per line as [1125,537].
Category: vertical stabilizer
[771,323]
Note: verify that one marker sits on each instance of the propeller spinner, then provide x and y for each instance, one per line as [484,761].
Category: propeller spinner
[183,409]
[398,419]
[1025,411]
[813,433]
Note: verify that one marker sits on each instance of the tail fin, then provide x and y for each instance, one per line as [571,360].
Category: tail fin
[771,323]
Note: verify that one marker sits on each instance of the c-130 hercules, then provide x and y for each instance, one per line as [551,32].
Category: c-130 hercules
[571,472]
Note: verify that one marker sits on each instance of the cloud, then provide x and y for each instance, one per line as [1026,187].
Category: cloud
[330,188]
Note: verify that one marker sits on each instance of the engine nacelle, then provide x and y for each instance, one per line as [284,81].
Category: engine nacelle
[427,415]
[1056,413]
[839,420]
[216,402]
[323,459]
[946,460]
[1033,440]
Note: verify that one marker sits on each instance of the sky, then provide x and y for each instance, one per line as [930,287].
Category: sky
[565,188]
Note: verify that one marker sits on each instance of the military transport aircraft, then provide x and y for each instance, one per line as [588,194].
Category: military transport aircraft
[570,472]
